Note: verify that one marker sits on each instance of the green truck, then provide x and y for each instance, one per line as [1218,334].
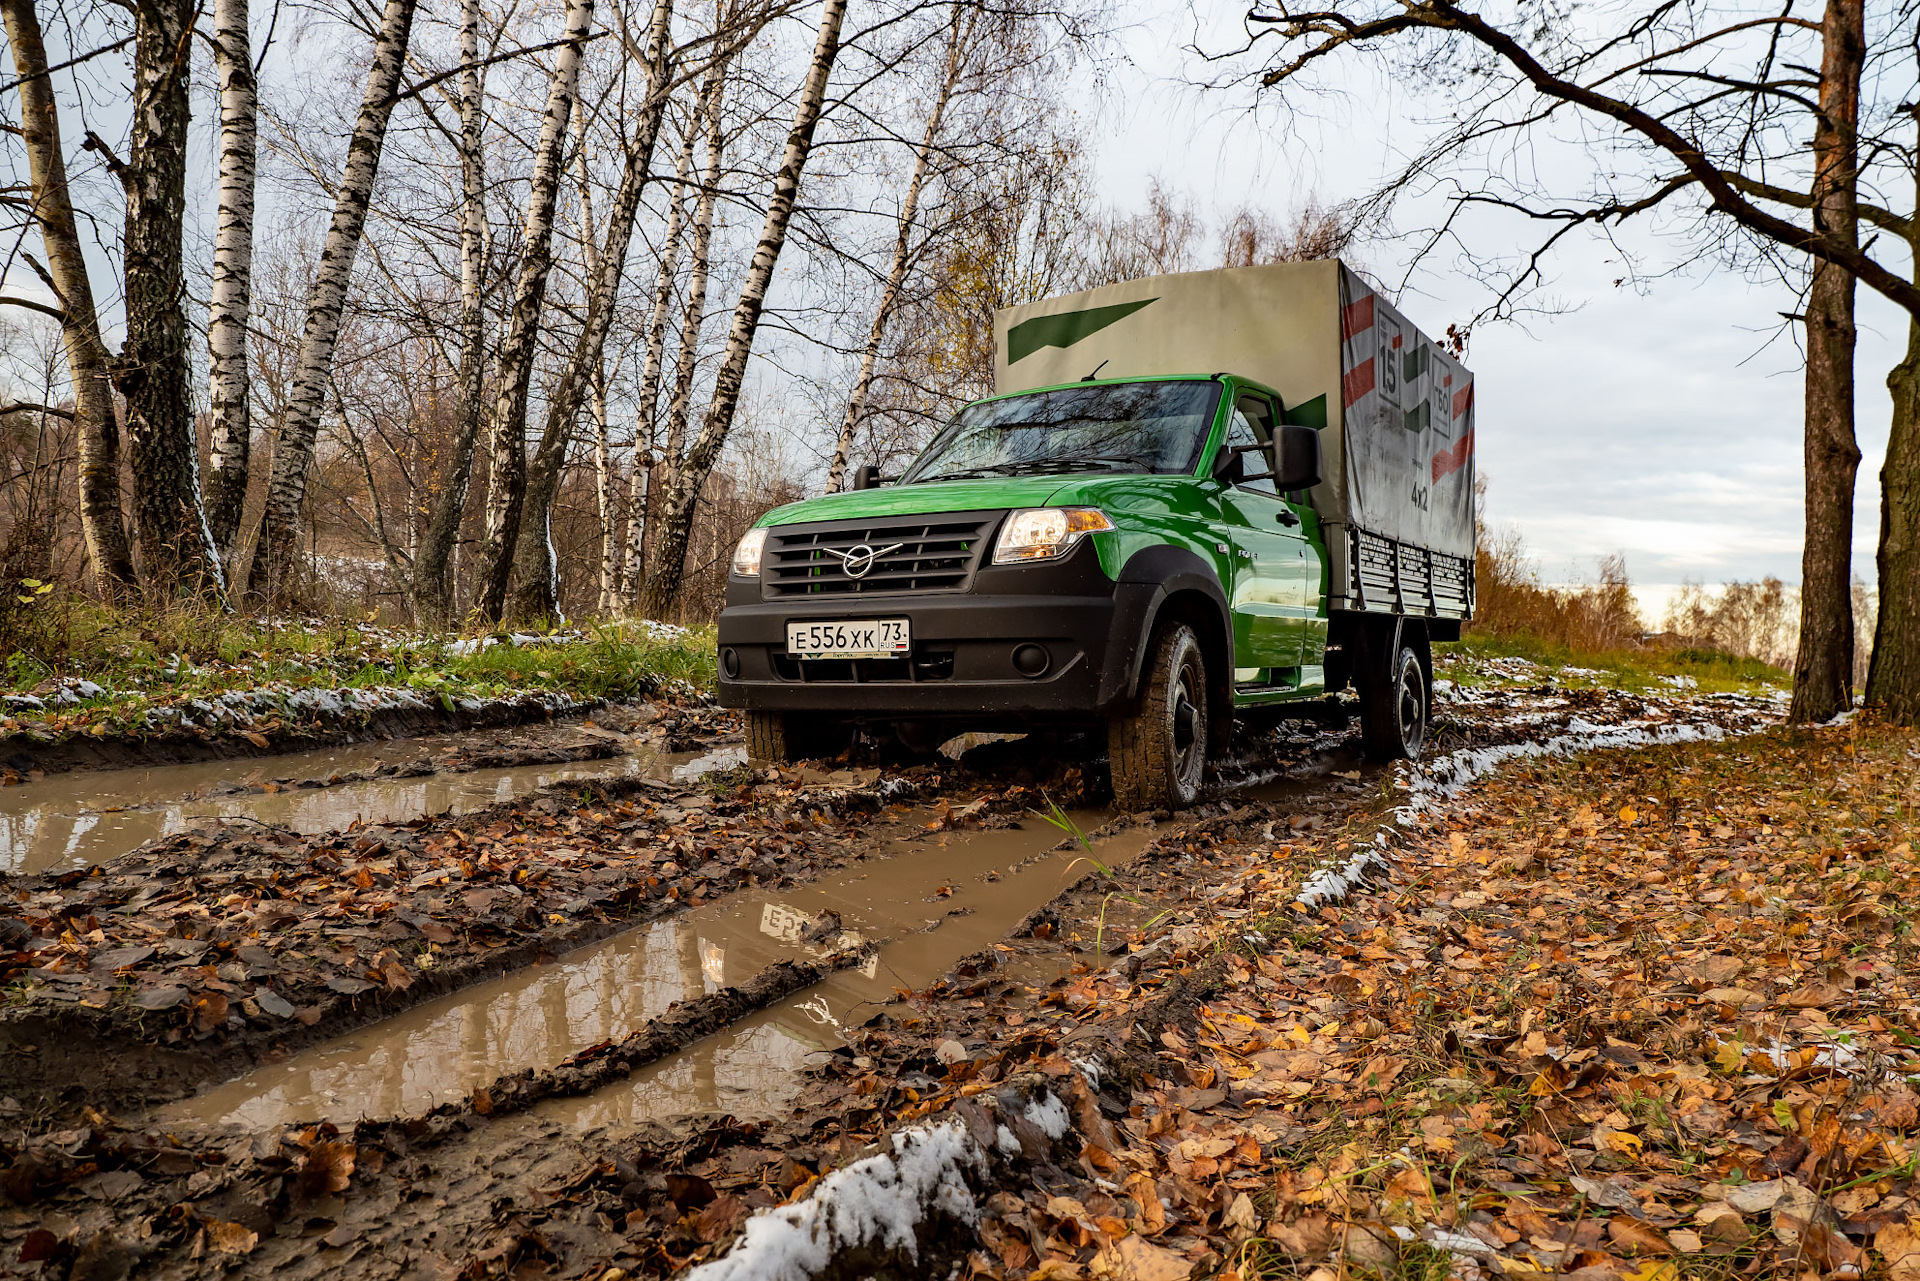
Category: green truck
[1190,495]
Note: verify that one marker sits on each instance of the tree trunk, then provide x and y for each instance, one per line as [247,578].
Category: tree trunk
[1823,669]
[538,594]
[647,424]
[507,423]
[313,368]
[97,428]
[151,373]
[669,551]
[1893,673]
[902,253]
[606,497]
[228,386]
[432,579]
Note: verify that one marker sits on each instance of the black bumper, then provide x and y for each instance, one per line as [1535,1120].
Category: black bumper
[962,663]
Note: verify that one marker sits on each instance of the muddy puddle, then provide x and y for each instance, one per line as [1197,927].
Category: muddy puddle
[935,899]
[83,818]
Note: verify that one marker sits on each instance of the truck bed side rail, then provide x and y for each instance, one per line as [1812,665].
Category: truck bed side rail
[1377,575]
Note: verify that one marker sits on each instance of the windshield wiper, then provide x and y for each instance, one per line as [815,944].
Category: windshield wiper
[967,473]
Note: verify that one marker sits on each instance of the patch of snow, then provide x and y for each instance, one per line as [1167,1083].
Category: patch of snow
[879,1202]
[1050,1116]
[1004,1140]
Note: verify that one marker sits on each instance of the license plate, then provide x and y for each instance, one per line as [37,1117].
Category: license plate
[849,638]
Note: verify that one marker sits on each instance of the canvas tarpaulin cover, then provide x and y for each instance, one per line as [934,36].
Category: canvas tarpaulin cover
[1394,409]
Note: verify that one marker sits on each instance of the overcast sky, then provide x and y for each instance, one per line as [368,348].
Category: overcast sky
[1663,425]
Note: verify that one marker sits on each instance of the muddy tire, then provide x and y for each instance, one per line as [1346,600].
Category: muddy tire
[1158,749]
[1395,708]
[785,738]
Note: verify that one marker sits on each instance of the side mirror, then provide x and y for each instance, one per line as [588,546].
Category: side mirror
[1297,451]
[865,476]
[1229,466]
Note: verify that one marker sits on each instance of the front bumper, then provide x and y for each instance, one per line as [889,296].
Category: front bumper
[962,663]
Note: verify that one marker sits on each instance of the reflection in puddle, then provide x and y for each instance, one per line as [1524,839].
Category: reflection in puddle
[87,817]
[929,904]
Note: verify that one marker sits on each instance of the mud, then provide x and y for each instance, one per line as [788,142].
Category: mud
[922,899]
[26,753]
[1099,960]
[86,817]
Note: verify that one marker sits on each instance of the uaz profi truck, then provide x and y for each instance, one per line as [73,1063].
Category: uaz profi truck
[1190,495]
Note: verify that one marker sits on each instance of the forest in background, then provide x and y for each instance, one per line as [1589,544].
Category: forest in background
[509,377]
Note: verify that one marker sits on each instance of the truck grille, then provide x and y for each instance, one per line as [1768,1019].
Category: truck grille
[916,554]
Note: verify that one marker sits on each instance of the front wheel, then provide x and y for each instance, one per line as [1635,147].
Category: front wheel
[1158,750]
[1394,710]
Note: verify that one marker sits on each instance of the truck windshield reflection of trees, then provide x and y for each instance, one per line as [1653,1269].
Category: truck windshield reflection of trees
[1152,427]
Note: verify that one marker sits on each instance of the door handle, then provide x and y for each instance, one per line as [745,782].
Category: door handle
[1287,518]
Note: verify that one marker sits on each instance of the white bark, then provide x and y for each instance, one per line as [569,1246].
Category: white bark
[294,449]
[902,247]
[433,579]
[606,494]
[646,424]
[229,386]
[538,594]
[507,422]
[690,473]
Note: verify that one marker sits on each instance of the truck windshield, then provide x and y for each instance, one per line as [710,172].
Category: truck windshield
[1137,427]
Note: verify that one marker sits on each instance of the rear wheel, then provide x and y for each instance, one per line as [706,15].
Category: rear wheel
[787,737]
[1158,750]
[1395,706]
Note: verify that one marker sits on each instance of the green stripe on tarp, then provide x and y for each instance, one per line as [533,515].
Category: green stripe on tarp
[1312,414]
[1065,329]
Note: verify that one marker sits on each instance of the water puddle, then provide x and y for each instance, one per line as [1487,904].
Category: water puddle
[933,901]
[87,817]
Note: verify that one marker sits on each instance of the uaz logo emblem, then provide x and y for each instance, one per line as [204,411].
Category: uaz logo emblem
[859,560]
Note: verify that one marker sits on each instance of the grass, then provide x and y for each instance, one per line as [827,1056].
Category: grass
[145,656]
[1642,669]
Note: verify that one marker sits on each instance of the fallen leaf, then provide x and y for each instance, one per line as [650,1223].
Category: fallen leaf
[230,1238]
[1137,1259]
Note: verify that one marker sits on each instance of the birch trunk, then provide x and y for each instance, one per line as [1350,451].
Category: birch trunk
[687,359]
[507,422]
[88,362]
[606,496]
[176,547]
[902,255]
[1823,668]
[646,410]
[229,386]
[293,450]
[538,594]
[432,577]
[668,557]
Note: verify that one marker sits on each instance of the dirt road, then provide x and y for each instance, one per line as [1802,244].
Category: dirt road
[426,1072]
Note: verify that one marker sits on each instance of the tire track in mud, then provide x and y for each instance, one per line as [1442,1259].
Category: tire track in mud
[494,1195]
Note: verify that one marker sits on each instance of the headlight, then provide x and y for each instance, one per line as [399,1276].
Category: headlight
[1046,533]
[746,557]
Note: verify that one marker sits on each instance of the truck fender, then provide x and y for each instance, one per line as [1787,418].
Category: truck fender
[1150,579]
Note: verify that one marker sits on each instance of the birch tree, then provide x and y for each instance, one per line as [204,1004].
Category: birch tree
[513,371]
[65,273]
[645,433]
[230,392]
[959,30]
[176,547]
[667,564]
[293,450]
[432,577]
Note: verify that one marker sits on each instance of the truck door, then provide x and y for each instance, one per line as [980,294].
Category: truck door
[1271,578]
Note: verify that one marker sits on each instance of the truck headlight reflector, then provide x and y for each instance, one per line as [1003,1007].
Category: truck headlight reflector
[746,557]
[1046,533]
